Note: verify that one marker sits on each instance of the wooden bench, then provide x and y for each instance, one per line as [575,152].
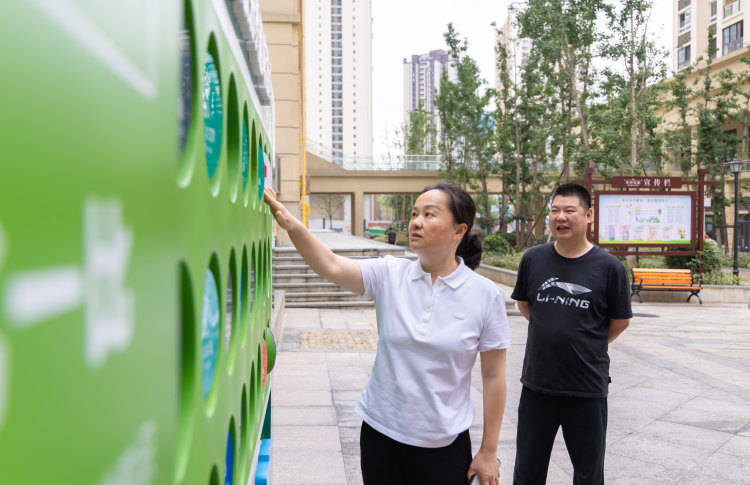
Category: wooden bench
[653,279]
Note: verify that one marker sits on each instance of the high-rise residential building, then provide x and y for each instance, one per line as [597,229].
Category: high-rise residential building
[517,47]
[338,78]
[422,75]
[695,19]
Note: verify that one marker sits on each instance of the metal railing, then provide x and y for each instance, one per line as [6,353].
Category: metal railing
[359,162]
[732,8]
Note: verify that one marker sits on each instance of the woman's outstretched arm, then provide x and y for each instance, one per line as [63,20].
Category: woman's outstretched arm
[343,271]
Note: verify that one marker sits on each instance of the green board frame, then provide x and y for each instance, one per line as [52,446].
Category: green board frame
[109,224]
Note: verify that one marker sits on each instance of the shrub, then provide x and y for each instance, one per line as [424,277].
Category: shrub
[743,259]
[678,262]
[497,244]
[507,261]
[709,258]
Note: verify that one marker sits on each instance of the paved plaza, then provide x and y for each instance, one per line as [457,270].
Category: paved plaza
[679,405]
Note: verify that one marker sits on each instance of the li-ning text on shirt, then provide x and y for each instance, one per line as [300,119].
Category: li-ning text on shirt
[571,299]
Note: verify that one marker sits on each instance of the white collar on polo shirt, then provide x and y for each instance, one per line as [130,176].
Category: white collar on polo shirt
[453,280]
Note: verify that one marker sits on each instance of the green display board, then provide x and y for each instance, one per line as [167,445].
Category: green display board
[135,275]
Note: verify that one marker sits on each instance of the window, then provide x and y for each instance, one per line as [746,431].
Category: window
[714,10]
[684,20]
[732,8]
[683,56]
[731,38]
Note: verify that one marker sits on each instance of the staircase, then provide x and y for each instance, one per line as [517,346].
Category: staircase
[305,289]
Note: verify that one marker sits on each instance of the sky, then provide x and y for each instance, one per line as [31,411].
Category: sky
[401,28]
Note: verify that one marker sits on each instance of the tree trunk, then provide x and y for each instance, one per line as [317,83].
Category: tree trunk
[633,107]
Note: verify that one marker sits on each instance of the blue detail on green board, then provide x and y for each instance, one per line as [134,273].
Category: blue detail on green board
[209,331]
[212,115]
[229,475]
[264,459]
[245,153]
[261,173]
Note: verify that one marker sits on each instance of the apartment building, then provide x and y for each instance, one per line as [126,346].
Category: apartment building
[338,78]
[517,47]
[421,84]
[695,19]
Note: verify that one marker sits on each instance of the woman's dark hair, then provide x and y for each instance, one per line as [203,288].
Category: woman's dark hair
[464,210]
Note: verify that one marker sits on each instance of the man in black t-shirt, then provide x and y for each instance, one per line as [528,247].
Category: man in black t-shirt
[577,300]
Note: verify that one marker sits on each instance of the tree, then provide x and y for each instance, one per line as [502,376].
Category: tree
[467,143]
[677,136]
[527,124]
[631,94]
[419,134]
[565,36]
[329,204]
[714,146]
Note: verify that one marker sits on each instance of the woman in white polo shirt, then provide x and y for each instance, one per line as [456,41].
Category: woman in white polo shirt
[434,315]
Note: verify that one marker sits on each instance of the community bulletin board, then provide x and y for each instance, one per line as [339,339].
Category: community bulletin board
[645,219]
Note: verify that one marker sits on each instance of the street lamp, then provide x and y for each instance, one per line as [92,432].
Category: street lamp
[736,166]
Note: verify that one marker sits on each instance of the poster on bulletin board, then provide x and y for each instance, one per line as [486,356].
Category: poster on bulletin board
[645,219]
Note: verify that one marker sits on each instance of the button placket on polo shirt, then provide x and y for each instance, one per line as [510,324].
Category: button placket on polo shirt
[422,327]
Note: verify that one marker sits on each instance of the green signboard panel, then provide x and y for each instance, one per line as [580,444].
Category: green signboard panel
[135,277]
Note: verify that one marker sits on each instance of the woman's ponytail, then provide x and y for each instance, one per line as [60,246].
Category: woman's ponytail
[470,250]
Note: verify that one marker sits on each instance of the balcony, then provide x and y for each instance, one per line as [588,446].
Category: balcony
[732,8]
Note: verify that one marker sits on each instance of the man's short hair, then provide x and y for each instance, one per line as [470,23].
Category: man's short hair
[578,190]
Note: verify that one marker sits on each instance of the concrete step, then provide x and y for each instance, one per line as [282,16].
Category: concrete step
[322,296]
[297,259]
[291,269]
[311,286]
[297,278]
[348,252]
[331,304]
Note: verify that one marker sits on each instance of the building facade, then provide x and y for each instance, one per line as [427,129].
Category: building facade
[338,78]
[716,28]
[517,47]
[693,20]
[421,85]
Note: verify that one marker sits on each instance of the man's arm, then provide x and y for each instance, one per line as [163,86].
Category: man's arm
[523,307]
[616,327]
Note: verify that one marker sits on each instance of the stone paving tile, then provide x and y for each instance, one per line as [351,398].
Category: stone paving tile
[306,437]
[728,468]
[737,446]
[304,415]
[667,432]
[679,411]
[331,340]
[307,381]
[653,450]
[306,466]
[712,414]
[292,397]
[302,318]
[349,378]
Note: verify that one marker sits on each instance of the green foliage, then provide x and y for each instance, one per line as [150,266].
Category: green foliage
[743,260]
[467,136]
[709,258]
[419,134]
[507,261]
[719,278]
[678,262]
[497,244]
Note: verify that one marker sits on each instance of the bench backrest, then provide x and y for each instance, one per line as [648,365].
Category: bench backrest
[659,276]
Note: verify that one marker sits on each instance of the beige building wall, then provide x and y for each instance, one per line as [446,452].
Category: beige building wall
[692,20]
[282,24]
